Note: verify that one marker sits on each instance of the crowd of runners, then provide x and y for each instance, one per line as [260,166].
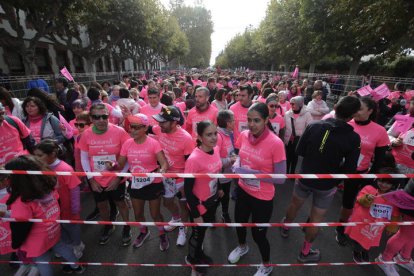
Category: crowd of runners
[244,124]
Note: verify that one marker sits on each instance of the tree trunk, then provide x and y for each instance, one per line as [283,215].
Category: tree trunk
[312,67]
[351,83]
[90,67]
[28,57]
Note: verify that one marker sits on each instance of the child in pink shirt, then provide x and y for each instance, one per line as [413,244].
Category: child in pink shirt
[38,201]
[69,193]
[371,207]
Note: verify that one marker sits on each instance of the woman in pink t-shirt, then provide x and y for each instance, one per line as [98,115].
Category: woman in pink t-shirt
[283,103]
[276,121]
[69,193]
[142,154]
[371,207]
[260,151]
[202,194]
[374,145]
[37,200]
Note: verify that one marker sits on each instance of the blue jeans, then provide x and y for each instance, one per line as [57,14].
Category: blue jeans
[60,248]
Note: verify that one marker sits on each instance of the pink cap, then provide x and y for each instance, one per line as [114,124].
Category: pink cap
[139,118]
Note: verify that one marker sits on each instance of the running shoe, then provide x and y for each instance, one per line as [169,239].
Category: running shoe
[237,253]
[196,270]
[141,238]
[164,242]
[284,231]
[182,236]
[408,266]
[340,237]
[170,228]
[313,256]
[107,231]
[263,270]
[388,269]
[78,250]
[126,235]
[360,256]
[68,269]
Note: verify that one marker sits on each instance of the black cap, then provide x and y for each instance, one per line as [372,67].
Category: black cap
[168,113]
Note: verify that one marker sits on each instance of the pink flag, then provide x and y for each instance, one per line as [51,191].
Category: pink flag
[403,123]
[66,74]
[380,92]
[401,199]
[365,91]
[295,73]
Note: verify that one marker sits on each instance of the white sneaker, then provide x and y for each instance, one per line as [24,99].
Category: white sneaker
[182,236]
[33,271]
[237,253]
[170,228]
[23,270]
[408,266]
[263,270]
[78,250]
[388,269]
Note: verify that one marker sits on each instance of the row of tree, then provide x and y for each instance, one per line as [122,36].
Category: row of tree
[142,30]
[307,31]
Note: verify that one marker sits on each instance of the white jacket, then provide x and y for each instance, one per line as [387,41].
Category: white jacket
[301,122]
[17,109]
[318,109]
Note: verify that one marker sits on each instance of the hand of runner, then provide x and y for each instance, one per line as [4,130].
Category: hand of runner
[125,111]
[113,184]
[397,142]
[95,186]
[110,165]
[199,220]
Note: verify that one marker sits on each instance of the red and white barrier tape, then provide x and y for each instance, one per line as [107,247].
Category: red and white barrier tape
[212,175]
[200,265]
[225,225]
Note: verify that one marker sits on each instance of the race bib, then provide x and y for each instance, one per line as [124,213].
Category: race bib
[380,211]
[276,127]
[409,138]
[243,126]
[141,182]
[99,162]
[252,182]
[169,181]
[213,187]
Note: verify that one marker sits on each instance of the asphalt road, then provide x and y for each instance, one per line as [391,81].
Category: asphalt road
[218,244]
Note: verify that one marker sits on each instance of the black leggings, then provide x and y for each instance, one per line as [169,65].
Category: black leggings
[226,197]
[261,212]
[291,157]
[195,244]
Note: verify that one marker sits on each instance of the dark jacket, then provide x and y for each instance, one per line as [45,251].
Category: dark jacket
[328,147]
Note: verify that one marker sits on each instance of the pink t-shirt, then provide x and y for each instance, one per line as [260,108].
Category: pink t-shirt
[278,123]
[176,146]
[149,111]
[65,184]
[372,135]
[240,119]
[103,147]
[144,94]
[10,143]
[43,236]
[402,154]
[35,128]
[262,157]
[380,210]
[202,162]
[285,106]
[194,116]
[5,231]
[142,158]
[182,106]
[197,82]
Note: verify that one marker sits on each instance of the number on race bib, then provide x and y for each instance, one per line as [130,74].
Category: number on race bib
[99,162]
[141,182]
[380,211]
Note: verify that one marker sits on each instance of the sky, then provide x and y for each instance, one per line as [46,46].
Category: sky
[230,17]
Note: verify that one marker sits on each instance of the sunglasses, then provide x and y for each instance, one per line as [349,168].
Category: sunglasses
[272,106]
[97,117]
[80,125]
[136,127]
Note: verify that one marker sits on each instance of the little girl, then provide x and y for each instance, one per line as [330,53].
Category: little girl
[47,152]
[371,207]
